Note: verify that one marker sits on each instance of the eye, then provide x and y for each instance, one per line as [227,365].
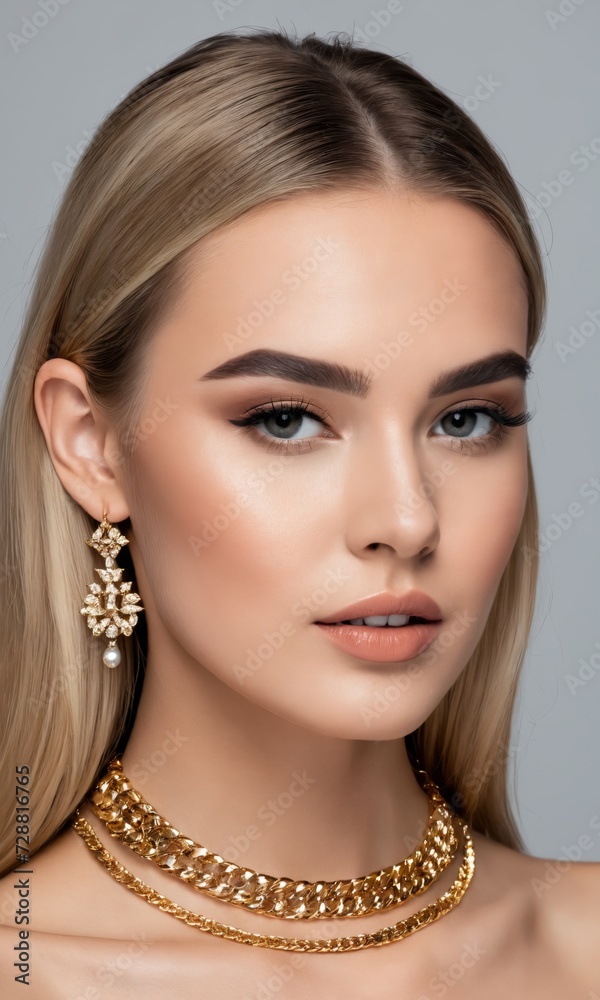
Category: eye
[285,423]
[466,420]
[479,426]
[294,425]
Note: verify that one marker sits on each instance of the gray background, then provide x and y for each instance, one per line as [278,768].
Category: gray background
[541,111]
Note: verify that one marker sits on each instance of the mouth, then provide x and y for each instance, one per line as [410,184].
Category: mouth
[385,627]
[384,621]
[387,608]
[383,642]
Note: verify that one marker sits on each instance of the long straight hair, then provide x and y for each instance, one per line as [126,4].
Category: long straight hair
[237,121]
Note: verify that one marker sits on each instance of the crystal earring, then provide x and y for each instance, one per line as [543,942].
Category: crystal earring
[101,609]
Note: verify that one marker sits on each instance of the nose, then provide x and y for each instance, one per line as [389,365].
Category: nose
[389,503]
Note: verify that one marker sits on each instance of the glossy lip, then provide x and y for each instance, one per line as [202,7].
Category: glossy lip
[379,644]
[414,602]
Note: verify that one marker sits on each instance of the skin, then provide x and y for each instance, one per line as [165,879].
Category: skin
[217,747]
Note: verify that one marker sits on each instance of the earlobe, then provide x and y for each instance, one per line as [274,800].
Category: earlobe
[76,438]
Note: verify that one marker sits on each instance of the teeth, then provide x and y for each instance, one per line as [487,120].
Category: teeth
[381,620]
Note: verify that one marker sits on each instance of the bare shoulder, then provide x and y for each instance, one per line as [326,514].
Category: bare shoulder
[559,903]
[553,906]
[568,910]
[83,934]
[45,892]
[24,956]
[67,893]
[23,963]
[534,921]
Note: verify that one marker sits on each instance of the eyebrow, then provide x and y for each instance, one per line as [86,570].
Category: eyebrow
[354,382]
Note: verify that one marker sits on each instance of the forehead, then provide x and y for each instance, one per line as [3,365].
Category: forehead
[408,236]
[333,273]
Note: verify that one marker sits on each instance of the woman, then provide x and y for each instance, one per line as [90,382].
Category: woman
[273,373]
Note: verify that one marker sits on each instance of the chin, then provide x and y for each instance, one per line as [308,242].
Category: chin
[387,715]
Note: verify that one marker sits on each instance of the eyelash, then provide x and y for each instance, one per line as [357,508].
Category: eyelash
[484,443]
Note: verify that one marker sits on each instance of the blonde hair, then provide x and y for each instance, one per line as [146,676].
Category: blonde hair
[236,121]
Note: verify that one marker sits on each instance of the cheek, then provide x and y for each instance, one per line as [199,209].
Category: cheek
[225,539]
[484,511]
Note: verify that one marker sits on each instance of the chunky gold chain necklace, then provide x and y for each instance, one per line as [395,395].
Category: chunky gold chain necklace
[137,824]
[386,935]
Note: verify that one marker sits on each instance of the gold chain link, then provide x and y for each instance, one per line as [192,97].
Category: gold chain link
[386,935]
[136,823]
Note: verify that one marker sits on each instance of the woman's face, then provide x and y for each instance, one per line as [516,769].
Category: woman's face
[245,536]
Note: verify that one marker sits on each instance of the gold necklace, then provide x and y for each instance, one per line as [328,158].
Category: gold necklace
[137,824]
[386,935]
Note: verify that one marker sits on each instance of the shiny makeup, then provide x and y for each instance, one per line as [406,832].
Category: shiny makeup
[334,452]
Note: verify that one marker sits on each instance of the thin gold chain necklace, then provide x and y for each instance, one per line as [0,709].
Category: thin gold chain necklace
[136,823]
[385,935]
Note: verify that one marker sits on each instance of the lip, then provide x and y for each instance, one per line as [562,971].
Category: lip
[382,645]
[414,602]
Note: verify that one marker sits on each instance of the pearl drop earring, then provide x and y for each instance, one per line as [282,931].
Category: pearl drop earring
[100,607]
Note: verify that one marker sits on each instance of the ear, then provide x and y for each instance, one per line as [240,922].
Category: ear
[79,439]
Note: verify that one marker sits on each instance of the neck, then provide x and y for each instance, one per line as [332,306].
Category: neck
[264,792]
